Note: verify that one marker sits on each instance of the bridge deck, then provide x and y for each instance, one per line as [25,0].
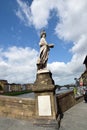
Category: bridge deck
[74,119]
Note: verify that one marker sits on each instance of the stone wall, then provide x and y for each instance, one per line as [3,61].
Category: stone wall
[24,108]
[66,101]
[14,107]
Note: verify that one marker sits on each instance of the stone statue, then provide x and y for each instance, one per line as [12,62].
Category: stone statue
[44,52]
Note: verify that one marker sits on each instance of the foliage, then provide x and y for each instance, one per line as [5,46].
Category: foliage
[17,93]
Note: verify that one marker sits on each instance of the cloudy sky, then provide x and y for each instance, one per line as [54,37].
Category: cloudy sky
[21,21]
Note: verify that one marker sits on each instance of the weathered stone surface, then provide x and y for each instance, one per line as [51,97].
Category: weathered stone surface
[17,107]
[22,108]
[52,100]
[66,101]
[44,82]
[44,86]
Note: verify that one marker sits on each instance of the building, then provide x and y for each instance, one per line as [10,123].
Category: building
[15,87]
[83,78]
[4,86]
[29,86]
[85,62]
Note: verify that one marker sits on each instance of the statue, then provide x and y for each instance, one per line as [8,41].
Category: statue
[44,52]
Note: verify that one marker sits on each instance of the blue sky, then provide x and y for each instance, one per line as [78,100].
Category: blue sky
[15,33]
[20,24]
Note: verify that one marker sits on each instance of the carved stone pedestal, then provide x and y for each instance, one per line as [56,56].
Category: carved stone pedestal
[44,89]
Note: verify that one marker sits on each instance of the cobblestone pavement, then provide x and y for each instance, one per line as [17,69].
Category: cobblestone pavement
[74,119]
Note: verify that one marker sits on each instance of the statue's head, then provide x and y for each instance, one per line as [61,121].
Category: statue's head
[42,33]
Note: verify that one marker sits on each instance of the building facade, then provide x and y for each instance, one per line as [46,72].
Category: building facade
[83,78]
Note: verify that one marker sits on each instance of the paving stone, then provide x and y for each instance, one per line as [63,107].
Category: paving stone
[74,119]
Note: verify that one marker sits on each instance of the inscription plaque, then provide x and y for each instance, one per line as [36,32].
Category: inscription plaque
[44,105]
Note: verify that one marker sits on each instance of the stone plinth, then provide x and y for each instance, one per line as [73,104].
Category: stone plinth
[44,82]
[44,89]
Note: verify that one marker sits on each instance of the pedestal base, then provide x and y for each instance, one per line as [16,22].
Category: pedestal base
[44,89]
[44,82]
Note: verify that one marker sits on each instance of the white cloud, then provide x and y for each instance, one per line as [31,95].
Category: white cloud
[72,26]
[73,19]
[18,65]
[65,73]
[80,46]
[41,12]
[37,14]
[24,12]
